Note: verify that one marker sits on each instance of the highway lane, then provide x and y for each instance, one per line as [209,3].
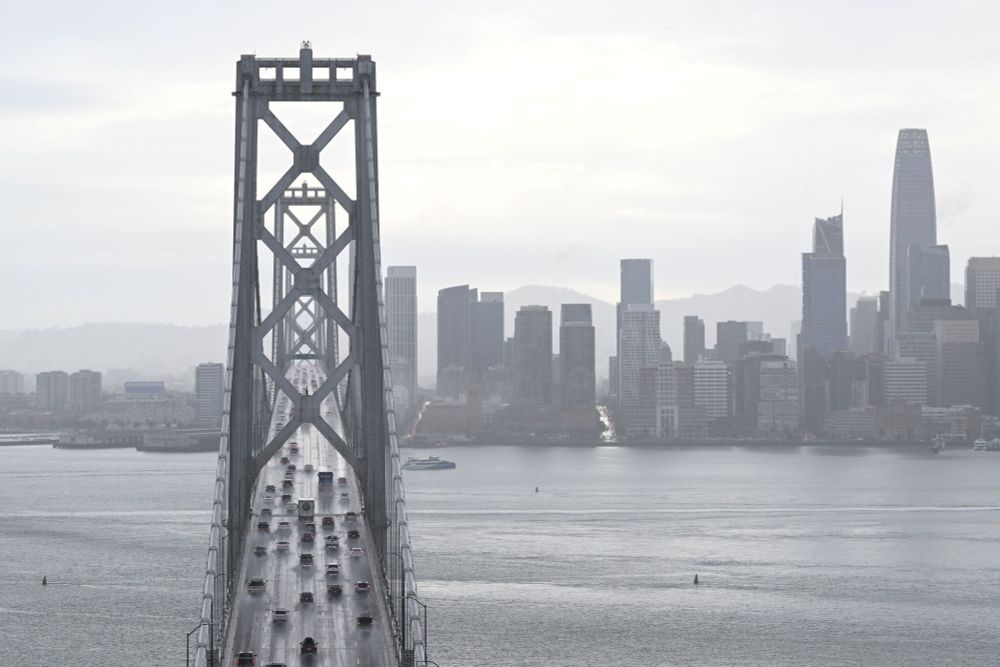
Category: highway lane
[330,620]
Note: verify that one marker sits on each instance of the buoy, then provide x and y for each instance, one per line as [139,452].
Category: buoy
[696,580]
[536,489]
[45,581]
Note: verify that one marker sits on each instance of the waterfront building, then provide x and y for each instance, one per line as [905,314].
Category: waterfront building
[85,391]
[469,337]
[52,390]
[401,328]
[11,383]
[638,347]
[209,387]
[711,388]
[904,380]
[913,219]
[533,356]
[694,338]
[576,357]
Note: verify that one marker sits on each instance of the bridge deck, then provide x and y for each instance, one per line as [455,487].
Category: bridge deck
[330,620]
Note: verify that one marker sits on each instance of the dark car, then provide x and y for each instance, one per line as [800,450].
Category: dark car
[309,527]
[264,525]
[305,597]
[308,646]
[306,560]
[353,534]
[341,480]
[286,484]
[246,658]
[362,587]
[266,512]
[351,516]
[328,522]
[335,589]
[365,619]
[284,459]
[270,488]
[259,550]
[275,664]
[308,537]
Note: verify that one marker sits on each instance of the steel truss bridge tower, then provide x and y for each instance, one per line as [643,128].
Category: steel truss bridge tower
[293,220]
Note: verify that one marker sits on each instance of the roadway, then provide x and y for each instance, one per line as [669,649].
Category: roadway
[330,619]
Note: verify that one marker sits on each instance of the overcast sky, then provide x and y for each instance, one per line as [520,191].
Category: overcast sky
[520,142]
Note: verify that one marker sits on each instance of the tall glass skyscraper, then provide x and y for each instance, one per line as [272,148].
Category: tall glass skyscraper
[913,221]
[824,289]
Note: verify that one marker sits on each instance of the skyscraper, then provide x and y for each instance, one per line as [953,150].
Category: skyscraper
[576,356]
[454,338]
[636,281]
[209,385]
[694,338]
[639,348]
[913,219]
[864,321]
[84,391]
[533,356]
[960,378]
[401,325]
[729,336]
[982,287]
[928,272]
[487,331]
[52,390]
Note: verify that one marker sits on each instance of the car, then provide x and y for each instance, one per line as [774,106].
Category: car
[309,467]
[284,460]
[335,589]
[306,560]
[259,550]
[341,480]
[306,597]
[332,546]
[333,537]
[345,495]
[350,516]
[309,527]
[246,658]
[286,497]
[284,526]
[266,512]
[286,484]
[270,488]
[256,585]
[276,664]
[281,546]
[362,587]
[292,507]
[293,452]
[290,467]
[357,552]
[353,534]
[268,499]
[308,646]
[264,525]
[333,569]
[328,522]
[280,615]
[365,619]
[308,537]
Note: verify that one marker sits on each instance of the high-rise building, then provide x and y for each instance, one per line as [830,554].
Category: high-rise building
[824,289]
[982,286]
[755,330]
[639,346]
[729,336]
[52,390]
[882,328]
[913,219]
[454,338]
[904,379]
[533,356]
[711,388]
[84,391]
[487,331]
[576,356]
[11,383]
[778,396]
[864,321]
[928,272]
[694,338]
[959,374]
[636,281]
[401,326]
[209,387]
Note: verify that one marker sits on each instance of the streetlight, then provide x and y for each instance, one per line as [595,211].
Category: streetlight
[413,597]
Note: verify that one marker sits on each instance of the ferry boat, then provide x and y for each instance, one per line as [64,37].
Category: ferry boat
[430,463]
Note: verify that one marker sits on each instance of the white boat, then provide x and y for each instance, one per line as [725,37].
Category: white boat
[429,463]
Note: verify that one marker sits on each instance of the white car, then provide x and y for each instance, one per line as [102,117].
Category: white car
[280,615]
[284,526]
[357,552]
[281,546]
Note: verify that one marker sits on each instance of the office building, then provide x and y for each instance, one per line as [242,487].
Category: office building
[636,286]
[982,285]
[778,396]
[11,383]
[454,338]
[638,347]
[905,380]
[533,356]
[577,384]
[711,388]
[694,338]
[960,378]
[824,289]
[729,336]
[401,327]
[487,331]
[928,275]
[84,391]
[982,281]
[209,387]
[52,390]
[913,217]
[864,322]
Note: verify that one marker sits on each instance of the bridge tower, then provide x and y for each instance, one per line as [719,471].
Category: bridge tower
[292,218]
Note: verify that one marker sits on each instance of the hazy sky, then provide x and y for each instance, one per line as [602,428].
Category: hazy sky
[520,142]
